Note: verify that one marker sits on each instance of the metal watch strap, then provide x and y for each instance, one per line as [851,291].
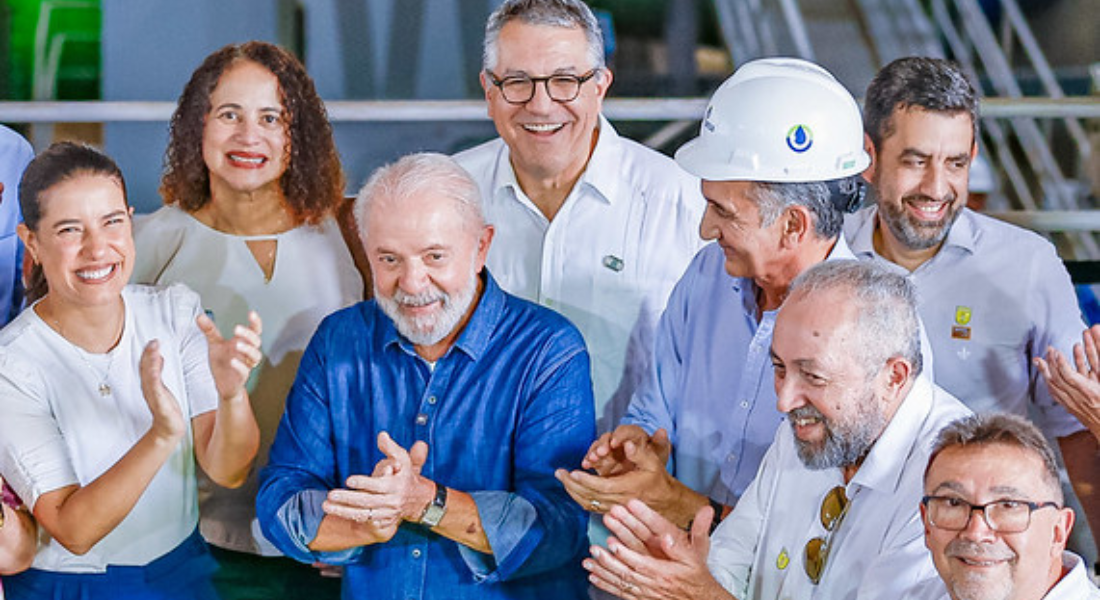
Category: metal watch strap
[433,513]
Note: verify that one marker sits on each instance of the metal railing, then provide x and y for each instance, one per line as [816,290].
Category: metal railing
[380,111]
[1033,171]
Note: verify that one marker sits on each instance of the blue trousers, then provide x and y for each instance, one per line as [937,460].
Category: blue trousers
[181,574]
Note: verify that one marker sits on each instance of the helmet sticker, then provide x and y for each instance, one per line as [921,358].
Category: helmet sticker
[800,138]
[706,119]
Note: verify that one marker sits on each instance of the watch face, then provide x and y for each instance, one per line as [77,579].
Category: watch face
[433,515]
[435,511]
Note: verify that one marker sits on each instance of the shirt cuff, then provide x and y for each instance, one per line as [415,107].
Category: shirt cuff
[506,517]
[301,516]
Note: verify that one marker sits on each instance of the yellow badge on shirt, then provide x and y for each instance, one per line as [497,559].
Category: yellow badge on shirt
[962,315]
[782,560]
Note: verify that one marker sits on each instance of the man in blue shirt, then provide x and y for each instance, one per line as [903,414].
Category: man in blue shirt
[779,152]
[475,397]
[15,153]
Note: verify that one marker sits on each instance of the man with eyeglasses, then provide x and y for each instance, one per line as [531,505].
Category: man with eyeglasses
[833,511]
[994,515]
[588,223]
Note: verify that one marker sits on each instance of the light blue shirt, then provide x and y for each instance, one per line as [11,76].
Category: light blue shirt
[994,297]
[711,384]
[15,153]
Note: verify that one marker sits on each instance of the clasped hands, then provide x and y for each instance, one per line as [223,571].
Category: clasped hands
[629,463]
[394,492]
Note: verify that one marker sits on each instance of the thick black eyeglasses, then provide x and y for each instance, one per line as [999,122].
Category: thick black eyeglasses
[519,89]
[1004,516]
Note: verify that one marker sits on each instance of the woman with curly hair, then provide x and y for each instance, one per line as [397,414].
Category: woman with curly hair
[252,184]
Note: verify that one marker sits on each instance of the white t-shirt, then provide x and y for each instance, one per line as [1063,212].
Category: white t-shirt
[609,259]
[313,276]
[59,430]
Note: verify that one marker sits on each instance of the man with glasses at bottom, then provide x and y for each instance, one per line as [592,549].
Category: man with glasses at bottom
[593,225]
[994,515]
[833,512]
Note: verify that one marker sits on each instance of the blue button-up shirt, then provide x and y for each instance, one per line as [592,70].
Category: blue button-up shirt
[508,404]
[711,384]
[15,153]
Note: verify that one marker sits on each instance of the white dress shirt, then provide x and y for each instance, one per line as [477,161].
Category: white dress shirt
[878,549]
[609,258]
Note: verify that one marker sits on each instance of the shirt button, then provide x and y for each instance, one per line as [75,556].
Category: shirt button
[744,404]
[731,458]
[416,552]
[431,400]
[422,419]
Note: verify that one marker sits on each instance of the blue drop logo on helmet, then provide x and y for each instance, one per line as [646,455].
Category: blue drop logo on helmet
[800,138]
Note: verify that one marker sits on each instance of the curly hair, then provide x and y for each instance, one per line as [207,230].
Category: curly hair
[313,183]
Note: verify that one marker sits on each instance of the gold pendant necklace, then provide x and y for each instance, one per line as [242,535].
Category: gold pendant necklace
[104,387]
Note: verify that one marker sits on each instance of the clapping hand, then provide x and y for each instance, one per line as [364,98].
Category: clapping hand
[232,360]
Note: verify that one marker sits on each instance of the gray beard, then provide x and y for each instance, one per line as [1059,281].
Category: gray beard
[913,234]
[845,444]
[429,334]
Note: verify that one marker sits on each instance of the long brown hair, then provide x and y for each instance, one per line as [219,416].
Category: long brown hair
[313,183]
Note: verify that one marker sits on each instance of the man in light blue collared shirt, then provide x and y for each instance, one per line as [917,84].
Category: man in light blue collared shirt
[993,296]
[779,153]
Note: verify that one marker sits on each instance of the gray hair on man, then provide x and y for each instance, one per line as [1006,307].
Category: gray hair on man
[417,174]
[1000,428]
[772,197]
[552,13]
[886,303]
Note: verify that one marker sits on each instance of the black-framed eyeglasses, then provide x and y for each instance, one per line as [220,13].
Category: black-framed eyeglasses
[519,89]
[1004,516]
[834,507]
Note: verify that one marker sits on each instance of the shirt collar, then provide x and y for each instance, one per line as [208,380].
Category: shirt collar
[884,465]
[477,333]
[603,173]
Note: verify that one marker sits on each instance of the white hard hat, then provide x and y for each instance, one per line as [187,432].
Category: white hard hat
[778,119]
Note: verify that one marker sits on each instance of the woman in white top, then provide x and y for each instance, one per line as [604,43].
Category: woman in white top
[110,393]
[252,184]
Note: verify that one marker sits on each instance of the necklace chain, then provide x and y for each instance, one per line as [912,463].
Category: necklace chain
[104,387]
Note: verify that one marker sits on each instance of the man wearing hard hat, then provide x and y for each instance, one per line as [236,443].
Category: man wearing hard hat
[779,152]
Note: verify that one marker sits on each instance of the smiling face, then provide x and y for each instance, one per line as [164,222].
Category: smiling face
[83,241]
[245,143]
[548,140]
[978,563]
[835,408]
[425,257]
[732,218]
[920,174]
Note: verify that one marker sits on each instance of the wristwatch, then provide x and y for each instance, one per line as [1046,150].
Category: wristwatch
[433,513]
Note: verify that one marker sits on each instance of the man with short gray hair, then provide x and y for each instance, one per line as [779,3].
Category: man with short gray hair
[833,510]
[474,396]
[994,516]
[589,223]
[779,154]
